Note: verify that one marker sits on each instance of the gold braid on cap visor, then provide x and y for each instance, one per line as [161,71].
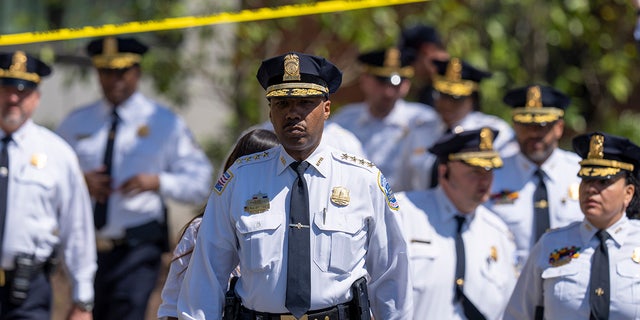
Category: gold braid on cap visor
[406,72]
[33,77]
[296,89]
[461,88]
[603,167]
[537,115]
[117,61]
[485,159]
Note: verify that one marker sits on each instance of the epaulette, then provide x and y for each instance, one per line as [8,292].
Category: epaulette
[355,160]
[254,158]
[570,225]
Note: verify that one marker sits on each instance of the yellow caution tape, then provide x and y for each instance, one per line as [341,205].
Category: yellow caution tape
[196,21]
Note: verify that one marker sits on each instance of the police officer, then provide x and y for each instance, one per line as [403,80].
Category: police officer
[427,44]
[461,254]
[382,121]
[537,188]
[44,202]
[306,238]
[135,154]
[456,99]
[589,269]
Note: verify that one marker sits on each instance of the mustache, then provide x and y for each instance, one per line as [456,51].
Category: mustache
[294,124]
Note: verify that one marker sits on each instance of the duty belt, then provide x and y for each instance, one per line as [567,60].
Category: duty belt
[339,312]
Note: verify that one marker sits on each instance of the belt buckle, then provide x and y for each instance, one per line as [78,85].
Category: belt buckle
[291,317]
[104,245]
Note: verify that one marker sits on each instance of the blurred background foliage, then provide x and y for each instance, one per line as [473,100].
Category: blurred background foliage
[583,47]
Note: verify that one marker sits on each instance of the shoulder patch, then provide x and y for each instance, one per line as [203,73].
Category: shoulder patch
[388,194]
[222,182]
[360,162]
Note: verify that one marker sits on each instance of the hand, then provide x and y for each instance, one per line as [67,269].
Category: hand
[140,183]
[79,314]
[99,184]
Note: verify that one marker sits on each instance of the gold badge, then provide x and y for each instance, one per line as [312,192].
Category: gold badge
[259,203]
[636,255]
[494,254]
[573,191]
[39,160]
[319,161]
[340,196]
[291,68]
[143,131]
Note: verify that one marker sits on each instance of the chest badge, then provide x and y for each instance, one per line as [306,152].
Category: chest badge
[39,160]
[493,254]
[258,203]
[636,255]
[143,131]
[340,196]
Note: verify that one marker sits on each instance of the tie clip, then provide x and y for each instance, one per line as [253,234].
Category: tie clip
[541,204]
[298,225]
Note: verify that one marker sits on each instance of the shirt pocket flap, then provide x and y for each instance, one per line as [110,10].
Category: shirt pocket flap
[258,222]
[557,272]
[339,222]
[420,248]
[628,268]
[35,176]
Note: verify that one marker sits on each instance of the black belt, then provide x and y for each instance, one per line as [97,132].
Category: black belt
[340,312]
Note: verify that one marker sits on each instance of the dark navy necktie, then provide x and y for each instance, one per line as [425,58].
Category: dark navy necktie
[540,206]
[100,209]
[4,186]
[298,296]
[599,295]
[469,309]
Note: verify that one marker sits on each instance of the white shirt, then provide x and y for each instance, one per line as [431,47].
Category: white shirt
[361,238]
[177,268]
[430,227]
[383,139]
[561,286]
[418,161]
[48,206]
[512,195]
[149,139]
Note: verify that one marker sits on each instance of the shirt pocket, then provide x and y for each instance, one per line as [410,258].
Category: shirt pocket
[340,242]
[260,240]
[628,281]
[564,282]
[423,255]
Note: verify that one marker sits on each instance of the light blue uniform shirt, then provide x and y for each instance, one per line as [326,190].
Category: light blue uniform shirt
[561,285]
[383,139]
[512,195]
[246,222]
[429,226]
[48,205]
[150,139]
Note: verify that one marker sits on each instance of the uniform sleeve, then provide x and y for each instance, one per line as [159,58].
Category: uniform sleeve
[177,269]
[77,232]
[188,177]
[214,257]
[527,294]
[390,292]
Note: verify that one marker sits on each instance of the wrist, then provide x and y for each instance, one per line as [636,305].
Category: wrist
[84,305]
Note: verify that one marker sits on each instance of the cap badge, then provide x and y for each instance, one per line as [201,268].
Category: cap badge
[109,46]
[392,58]
[486,139]
[340,196]
[596,147]
[562,256]
[534,97]
[636,255]
[258,203]
[454,70]
[18,62]
[291,68]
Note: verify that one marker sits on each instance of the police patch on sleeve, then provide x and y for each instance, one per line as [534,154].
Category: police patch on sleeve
[388,194]
[222,182]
